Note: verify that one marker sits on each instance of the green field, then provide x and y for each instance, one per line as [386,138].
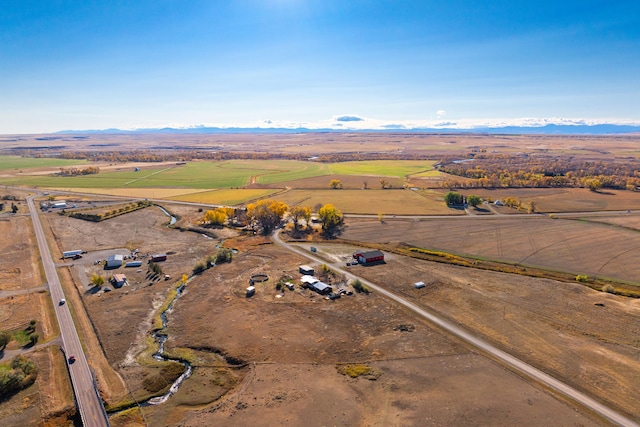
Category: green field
[218,175]
[398,168]
[20,163]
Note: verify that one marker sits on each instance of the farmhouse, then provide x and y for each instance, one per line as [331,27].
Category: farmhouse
[369,257]
[321,288]
[114,261]
[119,280]
[308,280]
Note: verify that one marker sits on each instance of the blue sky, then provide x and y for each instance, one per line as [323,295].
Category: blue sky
[316,63]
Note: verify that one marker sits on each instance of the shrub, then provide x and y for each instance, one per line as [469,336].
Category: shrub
[224,255]
[582,278]
[199,268]
[608,289]
[360,287]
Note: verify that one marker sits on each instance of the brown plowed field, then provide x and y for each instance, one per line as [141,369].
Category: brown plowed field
[576,246]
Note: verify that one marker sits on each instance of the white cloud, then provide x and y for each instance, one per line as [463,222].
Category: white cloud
[441,113]
[349,118]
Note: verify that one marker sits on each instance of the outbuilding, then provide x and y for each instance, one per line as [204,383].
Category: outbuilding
[419,285]
[369,257]
[158,257]
[119,280]
[114,261]
[134,264]
[321,288]
[305,269]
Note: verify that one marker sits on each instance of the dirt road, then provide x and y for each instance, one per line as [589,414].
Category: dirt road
[488,349]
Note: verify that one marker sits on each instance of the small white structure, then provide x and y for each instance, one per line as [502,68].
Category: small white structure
[115,261]
[419,285]
[498,203]
[250,291]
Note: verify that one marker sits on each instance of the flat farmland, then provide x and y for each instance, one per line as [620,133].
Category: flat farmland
[397,202]
[224,197]
[565,199]
[397,168]
[574,246]
[16,163]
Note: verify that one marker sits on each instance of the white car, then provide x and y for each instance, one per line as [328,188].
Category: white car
[62,301]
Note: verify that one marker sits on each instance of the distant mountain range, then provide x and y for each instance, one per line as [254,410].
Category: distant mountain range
[550,129]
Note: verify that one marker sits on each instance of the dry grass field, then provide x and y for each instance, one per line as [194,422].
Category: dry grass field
[23,297]
[565,199]
[571,245]
[291,343]
[397,202]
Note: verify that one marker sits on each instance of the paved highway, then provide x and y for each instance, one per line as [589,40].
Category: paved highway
[493,352]
[89,404]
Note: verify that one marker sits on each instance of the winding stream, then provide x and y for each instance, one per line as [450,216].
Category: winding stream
[160,336]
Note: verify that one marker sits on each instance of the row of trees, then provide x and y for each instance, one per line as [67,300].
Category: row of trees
[495,171]
[267,214]
[453,198]
[336,184]
[89,170]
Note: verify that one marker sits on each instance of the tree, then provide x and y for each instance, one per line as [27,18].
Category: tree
[184,278]
[97,280]
[4,339]
[14,208]
[593,184]
[384,184]
[331,219]
[33,339]
[335,184]
[216,216]
[298,213]
[474,200]
[453,198]
[380,216]
[267,213]
[532,207]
